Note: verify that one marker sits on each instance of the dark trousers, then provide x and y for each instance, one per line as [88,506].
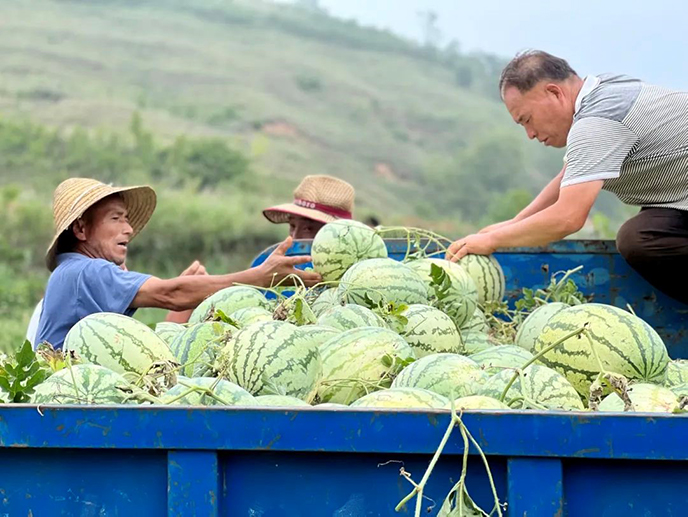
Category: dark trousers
[655,244]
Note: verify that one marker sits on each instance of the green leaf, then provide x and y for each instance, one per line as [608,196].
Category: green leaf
[26,355]
[35,380]
[221,316]
[5,384]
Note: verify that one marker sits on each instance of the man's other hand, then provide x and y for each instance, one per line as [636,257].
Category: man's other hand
[278,266]
[476,244]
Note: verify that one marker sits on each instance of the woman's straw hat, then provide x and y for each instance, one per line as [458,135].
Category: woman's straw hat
[321,198]
[76,195]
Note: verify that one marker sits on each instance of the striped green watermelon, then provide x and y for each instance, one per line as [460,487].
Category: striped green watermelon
[403,398]
[196,348]
[279,401]
[645,398]
[461,299]
[225,393]
[430,331]
[341,244]
[382,280]
[117,342]
[229,300]
[478,402]
[326,300]
[360,361]
[680,390]
[549,389]
[168,330]
[474,342]
[250,315]
[350,316]
[677,373]
[273,357]
[625,344]
[499,357]
[497,383]
[476,323]
[450,375]
[330,405]
[487,275]
[532,326]
[317,335]
[83,384]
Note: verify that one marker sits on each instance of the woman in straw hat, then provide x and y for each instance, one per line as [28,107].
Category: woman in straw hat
[94,225]
[318,200]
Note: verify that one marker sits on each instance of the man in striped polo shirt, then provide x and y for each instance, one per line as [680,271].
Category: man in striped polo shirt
[621,135]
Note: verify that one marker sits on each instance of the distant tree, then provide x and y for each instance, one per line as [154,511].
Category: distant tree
[431,33]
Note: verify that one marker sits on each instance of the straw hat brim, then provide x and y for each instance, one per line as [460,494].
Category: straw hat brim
[140,202]
[280,214]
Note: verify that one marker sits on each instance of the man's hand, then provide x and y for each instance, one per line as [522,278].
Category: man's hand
[196,268]
[278,265]
[476,244]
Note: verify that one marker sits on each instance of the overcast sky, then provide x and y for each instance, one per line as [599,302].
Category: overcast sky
[647,39]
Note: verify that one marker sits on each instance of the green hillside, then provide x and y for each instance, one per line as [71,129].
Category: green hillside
[223,106]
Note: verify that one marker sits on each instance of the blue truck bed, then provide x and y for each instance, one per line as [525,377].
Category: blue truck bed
[130,461]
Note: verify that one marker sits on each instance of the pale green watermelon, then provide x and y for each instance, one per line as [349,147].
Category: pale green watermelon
[477,323]
[326,300]
[330,405]
[84,384]
[359,361]
[350,316]
[460,301]
[497,358]
[497,383]
[250,315]
[487,275]
[226,393]
[273,358]
[549,388]
[625,344]
[430,331]
[229,300]
[377,281]
[196,348]
[279,401]
[646,398]
[317,335]
[341,244]
[680,390]
[474,342]
[450,375]
[168,330]
[403,398]
[532,326]
[478,402]
[117,342]
[677,373]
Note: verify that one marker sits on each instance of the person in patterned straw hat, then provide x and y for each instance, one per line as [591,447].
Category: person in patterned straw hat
[94,225]
[318,200]
[621,135]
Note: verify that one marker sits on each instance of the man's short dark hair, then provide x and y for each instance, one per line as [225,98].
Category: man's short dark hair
[532,66]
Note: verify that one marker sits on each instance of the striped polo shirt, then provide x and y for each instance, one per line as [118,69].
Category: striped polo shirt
[634,136]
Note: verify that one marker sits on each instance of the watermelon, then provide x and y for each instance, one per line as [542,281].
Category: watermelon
[83,384]
[677,373]
[403,398]
[273,358]
[430,331]
[350,316]
[249,315]
[341,244]
[168,330]
[228,393]
[377,281]
[117,342]
[497,383]
[196,348]
[279,401]
[645,398]
[625,344]
[474,342]
[532,326]
[358,361]
[460,300]
[478,402]
[549,388]
[680,390]
[477,323]
[326,300]
[450,375]
[330,405]
[497,358]
[487,275]
[317,334]
[229,300]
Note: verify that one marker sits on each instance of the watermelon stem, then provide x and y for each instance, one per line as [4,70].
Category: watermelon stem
[538,356]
